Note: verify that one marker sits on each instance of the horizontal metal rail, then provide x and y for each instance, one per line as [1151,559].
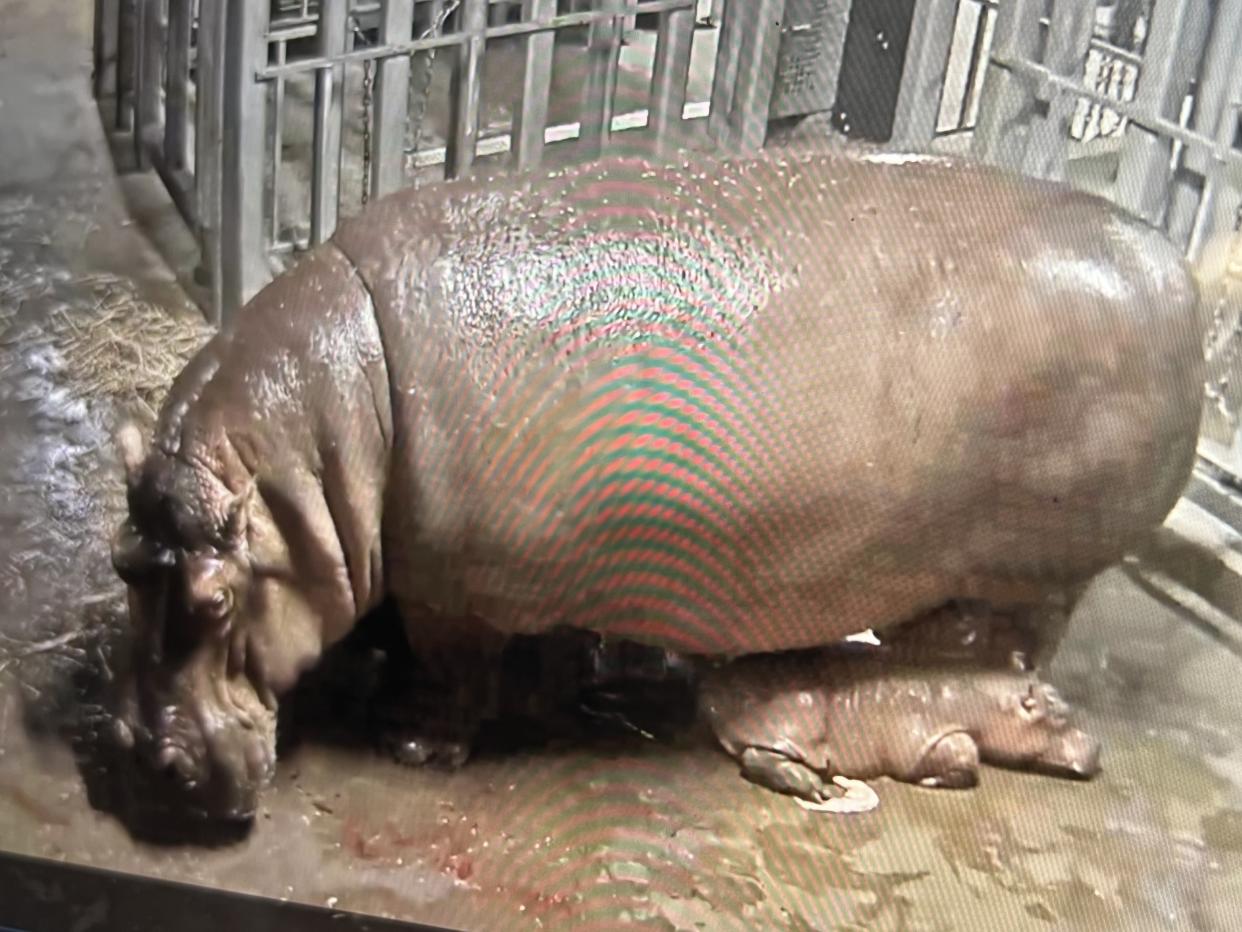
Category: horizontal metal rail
[585,18]
[1217,150]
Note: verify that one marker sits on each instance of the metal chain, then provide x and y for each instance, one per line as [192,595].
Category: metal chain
[422,97]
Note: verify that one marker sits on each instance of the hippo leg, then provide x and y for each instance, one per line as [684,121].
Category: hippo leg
[433,712]
[951,763]
[776,771]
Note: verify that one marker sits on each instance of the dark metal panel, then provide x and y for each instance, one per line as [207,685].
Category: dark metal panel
[603,56]
[1069,38]
[329,119]
[392,85]
[176,100]
[669,75]
[1178,30]
[1008,99]
[922,79]
[467,89]
[531,118]
[242,249]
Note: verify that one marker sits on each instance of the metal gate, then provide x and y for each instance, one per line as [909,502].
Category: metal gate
[268,118]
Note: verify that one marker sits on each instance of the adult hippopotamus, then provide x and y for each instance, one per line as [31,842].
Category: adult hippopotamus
[719,407]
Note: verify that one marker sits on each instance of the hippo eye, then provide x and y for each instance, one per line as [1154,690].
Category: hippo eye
[219,605]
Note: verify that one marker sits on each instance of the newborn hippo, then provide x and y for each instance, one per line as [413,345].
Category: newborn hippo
[794,719]
[720,408]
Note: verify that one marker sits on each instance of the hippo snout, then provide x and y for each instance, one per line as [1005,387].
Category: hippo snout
[1071,753]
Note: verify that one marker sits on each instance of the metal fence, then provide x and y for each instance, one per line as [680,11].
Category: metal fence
[266,119]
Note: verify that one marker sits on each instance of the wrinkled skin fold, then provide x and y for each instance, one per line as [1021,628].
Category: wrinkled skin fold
[721,408]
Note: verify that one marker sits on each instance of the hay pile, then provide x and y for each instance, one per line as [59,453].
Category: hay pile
[115,345]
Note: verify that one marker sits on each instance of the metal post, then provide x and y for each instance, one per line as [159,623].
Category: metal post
[466,90]
[724,78]
[922,77]
[1069,39]
[392,85]
[176,101]
[1178,30]
[603,56]
[148,67]
[1219,86]
[242,248]
[756,73]
[329,120]
[107,21]
[531,119]
[669,75]
[125,48]
[1008,99]
[208,148]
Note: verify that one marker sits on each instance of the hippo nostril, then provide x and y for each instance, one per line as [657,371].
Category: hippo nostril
[122,734]
[176,763]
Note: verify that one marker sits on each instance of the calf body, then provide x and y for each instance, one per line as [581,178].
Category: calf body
[719,407]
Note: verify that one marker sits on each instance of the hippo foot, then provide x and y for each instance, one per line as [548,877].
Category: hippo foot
[413,750]
[952,763]
[775,771]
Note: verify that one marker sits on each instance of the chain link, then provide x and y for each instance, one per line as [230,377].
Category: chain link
[422,96]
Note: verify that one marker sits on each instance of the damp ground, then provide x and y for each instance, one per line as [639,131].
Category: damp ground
[589,833]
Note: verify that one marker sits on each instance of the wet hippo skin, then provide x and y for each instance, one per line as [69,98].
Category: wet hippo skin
[720,408]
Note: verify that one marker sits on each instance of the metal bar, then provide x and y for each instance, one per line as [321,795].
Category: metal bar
[145,77]
[316,63]
[756,74]
[329,119]
[1178,30]
[1008,96]
[976,56]
[107,21]
[603,56]
[922,77]
[531,118]
[208,147]
[125,48]
[1220,82]
[467,90]
[390,113]
[277,131]
[724,77]
[1038,74]
[1069,38]
[669,75]
[176,100]
[243,257]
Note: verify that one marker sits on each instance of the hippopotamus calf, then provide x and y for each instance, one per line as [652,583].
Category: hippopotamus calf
[794,719]
[719,407]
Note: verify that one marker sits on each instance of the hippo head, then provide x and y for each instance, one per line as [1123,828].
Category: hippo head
[1027,725]
[215,636]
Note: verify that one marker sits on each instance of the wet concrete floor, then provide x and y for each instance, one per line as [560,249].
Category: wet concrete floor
[590,834]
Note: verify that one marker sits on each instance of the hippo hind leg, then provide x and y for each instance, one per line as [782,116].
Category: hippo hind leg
[951,763]
[777,771]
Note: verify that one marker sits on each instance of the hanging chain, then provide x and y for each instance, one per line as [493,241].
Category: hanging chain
[422,96]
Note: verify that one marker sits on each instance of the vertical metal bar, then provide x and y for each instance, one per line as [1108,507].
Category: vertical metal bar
[669,75]
[756,75]
[276,119]
[603,57]
[467,90]
[1007,101]
[329,121]
[125,48]
[107,21]
[531,119]
[176,102]
[724,77]
[144,78]
[243,251]
[392,87]
[208,148]
[1069,38]
[1219,81]
[922,77]
[1175,41]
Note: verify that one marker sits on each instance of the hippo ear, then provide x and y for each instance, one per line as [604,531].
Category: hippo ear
[237,515]
[132,451]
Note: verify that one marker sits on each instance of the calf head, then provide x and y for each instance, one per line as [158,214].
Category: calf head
[215,637]
[1026,724]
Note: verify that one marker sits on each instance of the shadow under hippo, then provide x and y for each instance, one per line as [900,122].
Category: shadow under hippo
[719,408]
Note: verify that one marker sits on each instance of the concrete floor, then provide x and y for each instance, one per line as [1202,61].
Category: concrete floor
[594,834]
